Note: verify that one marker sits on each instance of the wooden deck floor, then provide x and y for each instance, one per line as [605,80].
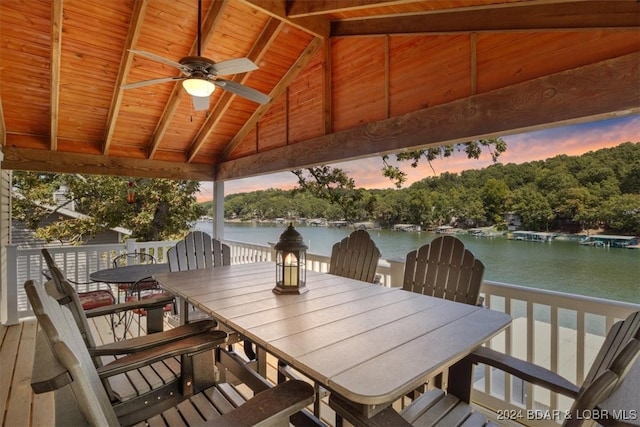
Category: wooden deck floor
[20,407]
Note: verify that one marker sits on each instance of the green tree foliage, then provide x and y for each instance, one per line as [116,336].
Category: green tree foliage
[334,185]
[161,209]
[473,149]
[597,189]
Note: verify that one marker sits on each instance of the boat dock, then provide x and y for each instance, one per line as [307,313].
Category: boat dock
[532,236]
[610,241]
[407,227]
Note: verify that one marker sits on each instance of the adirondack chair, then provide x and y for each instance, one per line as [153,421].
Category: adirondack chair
[96,305]
[89,299]
[197,251]
[195,370]
[444,269]
[64,364]
[616,358]
[356,256]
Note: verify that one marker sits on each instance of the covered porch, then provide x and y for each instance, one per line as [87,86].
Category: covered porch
[561,332]
[345,80]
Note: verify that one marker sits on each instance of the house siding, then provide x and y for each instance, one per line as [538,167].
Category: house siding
[5,236]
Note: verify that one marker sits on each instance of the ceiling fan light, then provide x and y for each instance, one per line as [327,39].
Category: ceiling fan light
[198,87]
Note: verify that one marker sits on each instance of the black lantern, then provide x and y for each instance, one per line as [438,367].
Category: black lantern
[291,262]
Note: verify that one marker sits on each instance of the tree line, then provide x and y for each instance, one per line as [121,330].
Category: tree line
[599,189]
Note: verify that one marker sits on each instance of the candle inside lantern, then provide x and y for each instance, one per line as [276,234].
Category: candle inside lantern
[290,271]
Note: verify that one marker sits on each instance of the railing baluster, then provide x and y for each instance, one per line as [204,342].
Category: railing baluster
[554,341]
[508,348]
[580,341]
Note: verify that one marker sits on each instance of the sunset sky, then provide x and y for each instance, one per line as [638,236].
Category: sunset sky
[521,148]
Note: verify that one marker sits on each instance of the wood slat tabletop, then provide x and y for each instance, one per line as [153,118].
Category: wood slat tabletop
[368,343]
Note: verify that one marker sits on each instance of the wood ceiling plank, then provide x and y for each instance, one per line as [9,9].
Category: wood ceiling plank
[327,82]
[135,27]
[267,37]
[587,93]
[65,162]
[3,129]
[282,85]
[542,16]
[212,19]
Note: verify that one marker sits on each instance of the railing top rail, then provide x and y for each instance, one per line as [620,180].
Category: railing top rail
[560,299]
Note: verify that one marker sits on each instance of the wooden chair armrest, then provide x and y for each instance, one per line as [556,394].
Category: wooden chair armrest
[526,371]
[242,370]
[47,374]
[145,342]
[147,303]
[186,346]
[268,407]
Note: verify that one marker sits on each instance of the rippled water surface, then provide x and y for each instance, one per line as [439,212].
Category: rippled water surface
[560,265]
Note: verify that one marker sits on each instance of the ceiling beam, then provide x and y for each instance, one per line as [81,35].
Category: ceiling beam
[278,90]
[301,8]
[262,45]
[64,162]
[316,25]
[57,18]
[578,15]
[606,89]
[135,27]
[211,20]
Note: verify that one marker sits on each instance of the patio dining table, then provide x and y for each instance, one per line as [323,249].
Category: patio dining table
[128,275]
[369,344]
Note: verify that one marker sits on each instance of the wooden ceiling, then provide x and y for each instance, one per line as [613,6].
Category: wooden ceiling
[346,78]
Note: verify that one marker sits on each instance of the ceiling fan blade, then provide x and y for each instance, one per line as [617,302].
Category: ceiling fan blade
[200,103]
[151,82]
[158,58]
[234,66]
[242,90]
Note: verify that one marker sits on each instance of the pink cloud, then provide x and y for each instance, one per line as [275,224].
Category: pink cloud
[538,145]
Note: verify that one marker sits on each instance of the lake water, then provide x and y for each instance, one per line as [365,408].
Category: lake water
[560,265]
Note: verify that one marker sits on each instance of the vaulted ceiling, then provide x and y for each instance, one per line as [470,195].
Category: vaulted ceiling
[346,79]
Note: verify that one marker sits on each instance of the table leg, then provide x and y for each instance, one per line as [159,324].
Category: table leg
[184,310]
[460,379]
[261,360]
[155,319]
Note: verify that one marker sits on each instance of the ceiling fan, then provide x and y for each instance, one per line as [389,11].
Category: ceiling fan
[199,75]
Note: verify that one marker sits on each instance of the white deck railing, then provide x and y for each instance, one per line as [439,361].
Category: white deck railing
[559,331]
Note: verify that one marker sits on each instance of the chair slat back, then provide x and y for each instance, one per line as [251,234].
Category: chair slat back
[66,295]
[67,345]
[133,258]
[198,251]
[617,338]
[444,269]
[356,256]
[607,381]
